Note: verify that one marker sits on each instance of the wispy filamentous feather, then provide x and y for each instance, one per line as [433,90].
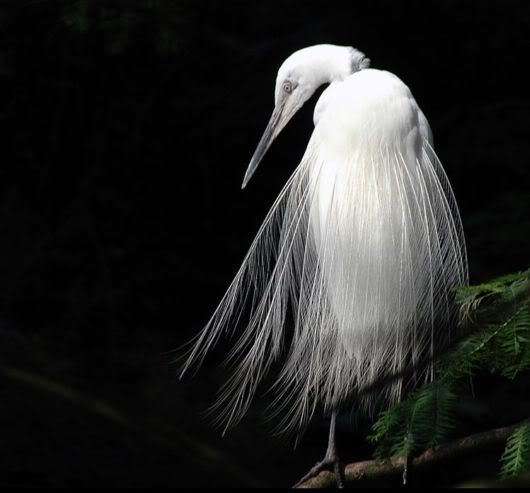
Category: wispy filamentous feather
[363,250]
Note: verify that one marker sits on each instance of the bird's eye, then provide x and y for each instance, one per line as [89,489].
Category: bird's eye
[288,87]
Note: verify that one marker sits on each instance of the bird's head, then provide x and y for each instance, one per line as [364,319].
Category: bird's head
[299,76]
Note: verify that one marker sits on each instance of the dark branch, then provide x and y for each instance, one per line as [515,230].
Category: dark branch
[372,469]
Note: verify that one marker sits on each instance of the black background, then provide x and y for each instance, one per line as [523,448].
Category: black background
[126,130]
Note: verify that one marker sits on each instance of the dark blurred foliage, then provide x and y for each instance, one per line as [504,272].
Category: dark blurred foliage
[127,127]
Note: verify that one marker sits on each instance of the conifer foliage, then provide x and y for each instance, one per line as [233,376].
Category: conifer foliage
[496,317]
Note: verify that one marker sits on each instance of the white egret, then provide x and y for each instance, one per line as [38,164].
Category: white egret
[361,250]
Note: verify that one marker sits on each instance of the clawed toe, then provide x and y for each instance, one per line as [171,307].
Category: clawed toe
[332,464]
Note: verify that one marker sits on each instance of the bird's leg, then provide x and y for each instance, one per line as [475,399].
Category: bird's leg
[331,460]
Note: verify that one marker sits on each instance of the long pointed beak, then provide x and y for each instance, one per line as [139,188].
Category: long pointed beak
[275,125]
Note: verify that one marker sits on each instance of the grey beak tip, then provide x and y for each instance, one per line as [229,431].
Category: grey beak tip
[245,182]
[263,145]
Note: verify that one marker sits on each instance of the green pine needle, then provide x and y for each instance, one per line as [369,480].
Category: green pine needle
[423,420]
[516,456]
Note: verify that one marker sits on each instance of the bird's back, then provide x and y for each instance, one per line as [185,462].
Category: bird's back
[370,107]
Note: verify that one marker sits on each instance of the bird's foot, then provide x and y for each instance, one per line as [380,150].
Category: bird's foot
[329,463]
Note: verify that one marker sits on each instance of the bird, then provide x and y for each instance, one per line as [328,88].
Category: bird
[350,278]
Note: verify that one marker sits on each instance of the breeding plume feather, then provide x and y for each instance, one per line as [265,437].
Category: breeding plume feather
[361,249]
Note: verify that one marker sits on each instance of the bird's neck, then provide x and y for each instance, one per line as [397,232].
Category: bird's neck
[334,63]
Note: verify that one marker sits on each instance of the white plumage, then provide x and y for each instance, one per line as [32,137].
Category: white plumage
[360,249]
